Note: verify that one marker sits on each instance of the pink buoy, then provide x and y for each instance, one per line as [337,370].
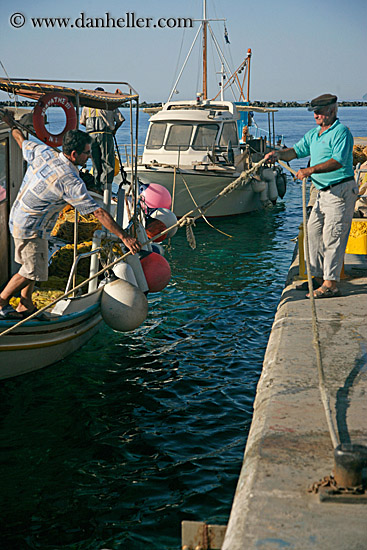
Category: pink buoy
[157,196]
[156,270]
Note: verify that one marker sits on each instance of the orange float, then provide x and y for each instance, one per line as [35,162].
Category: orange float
[153,228]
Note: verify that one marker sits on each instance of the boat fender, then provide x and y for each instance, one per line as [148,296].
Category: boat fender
[156,270]
[39,114]
[134,262]
[123,306]
[259,186]
[264,196]
[156,196]
[268,174]
[281,181]
[168,218]
[142,237]
[124,271]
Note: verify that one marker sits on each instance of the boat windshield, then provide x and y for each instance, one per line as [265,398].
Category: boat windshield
[179,137]
[156,135]
[229,133]
[205,136]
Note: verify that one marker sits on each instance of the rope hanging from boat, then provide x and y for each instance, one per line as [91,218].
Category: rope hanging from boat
[190,235]
[202,214]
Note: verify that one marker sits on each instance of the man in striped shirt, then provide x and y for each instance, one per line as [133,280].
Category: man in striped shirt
[51,181]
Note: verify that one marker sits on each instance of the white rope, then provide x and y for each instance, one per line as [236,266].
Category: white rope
[325,398]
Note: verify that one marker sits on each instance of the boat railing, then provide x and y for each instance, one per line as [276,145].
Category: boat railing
[75,264]
[125,153]
[258,132]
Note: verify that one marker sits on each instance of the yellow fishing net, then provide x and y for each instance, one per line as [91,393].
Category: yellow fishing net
[62,260]
[64,226]
[358,229]
[40,298]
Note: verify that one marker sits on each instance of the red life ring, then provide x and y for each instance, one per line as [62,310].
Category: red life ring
[53,100]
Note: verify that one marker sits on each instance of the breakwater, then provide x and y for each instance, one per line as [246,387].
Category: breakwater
[275,104]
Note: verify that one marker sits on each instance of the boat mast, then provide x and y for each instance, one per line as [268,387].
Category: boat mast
[249,53]
[205,73]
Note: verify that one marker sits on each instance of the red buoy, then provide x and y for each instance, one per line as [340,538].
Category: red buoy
[156,270]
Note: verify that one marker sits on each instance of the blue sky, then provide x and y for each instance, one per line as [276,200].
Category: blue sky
[300,48]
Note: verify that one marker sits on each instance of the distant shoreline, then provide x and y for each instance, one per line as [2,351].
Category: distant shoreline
[272,104]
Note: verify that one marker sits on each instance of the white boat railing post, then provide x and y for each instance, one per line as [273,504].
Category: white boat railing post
[94,261]
[107,195]
[75,251]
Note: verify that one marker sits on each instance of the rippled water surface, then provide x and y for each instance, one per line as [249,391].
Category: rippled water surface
[116,445]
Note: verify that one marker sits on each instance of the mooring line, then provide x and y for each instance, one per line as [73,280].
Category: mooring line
[325,397]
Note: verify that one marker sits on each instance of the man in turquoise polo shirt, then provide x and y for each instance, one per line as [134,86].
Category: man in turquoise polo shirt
[330,146]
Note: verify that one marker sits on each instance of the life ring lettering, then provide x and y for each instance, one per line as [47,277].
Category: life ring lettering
[39,113]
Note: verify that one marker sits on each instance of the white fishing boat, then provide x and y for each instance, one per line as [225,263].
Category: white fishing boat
[116,286]
[195,148]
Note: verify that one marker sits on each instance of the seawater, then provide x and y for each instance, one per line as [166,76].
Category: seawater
[116,445]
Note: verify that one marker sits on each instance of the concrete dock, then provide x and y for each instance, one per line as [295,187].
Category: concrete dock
[289,446]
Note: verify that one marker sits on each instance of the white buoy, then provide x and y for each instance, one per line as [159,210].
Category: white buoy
[125,272]
[123,306]
[142,237]
[167,217]
[134,262]
[269,175]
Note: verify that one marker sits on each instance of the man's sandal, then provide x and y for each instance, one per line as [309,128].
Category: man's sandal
[325,292]
[8,313]
[40,317]
[304,285]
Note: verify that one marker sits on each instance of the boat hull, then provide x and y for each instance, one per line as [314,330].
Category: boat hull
[38,344]
[203,186]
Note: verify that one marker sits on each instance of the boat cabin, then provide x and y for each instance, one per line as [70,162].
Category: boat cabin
[188,133]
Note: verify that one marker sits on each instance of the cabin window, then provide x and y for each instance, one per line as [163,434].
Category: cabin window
[229,133]
[205,137]
[179,136]
[3,169]
[156,135]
